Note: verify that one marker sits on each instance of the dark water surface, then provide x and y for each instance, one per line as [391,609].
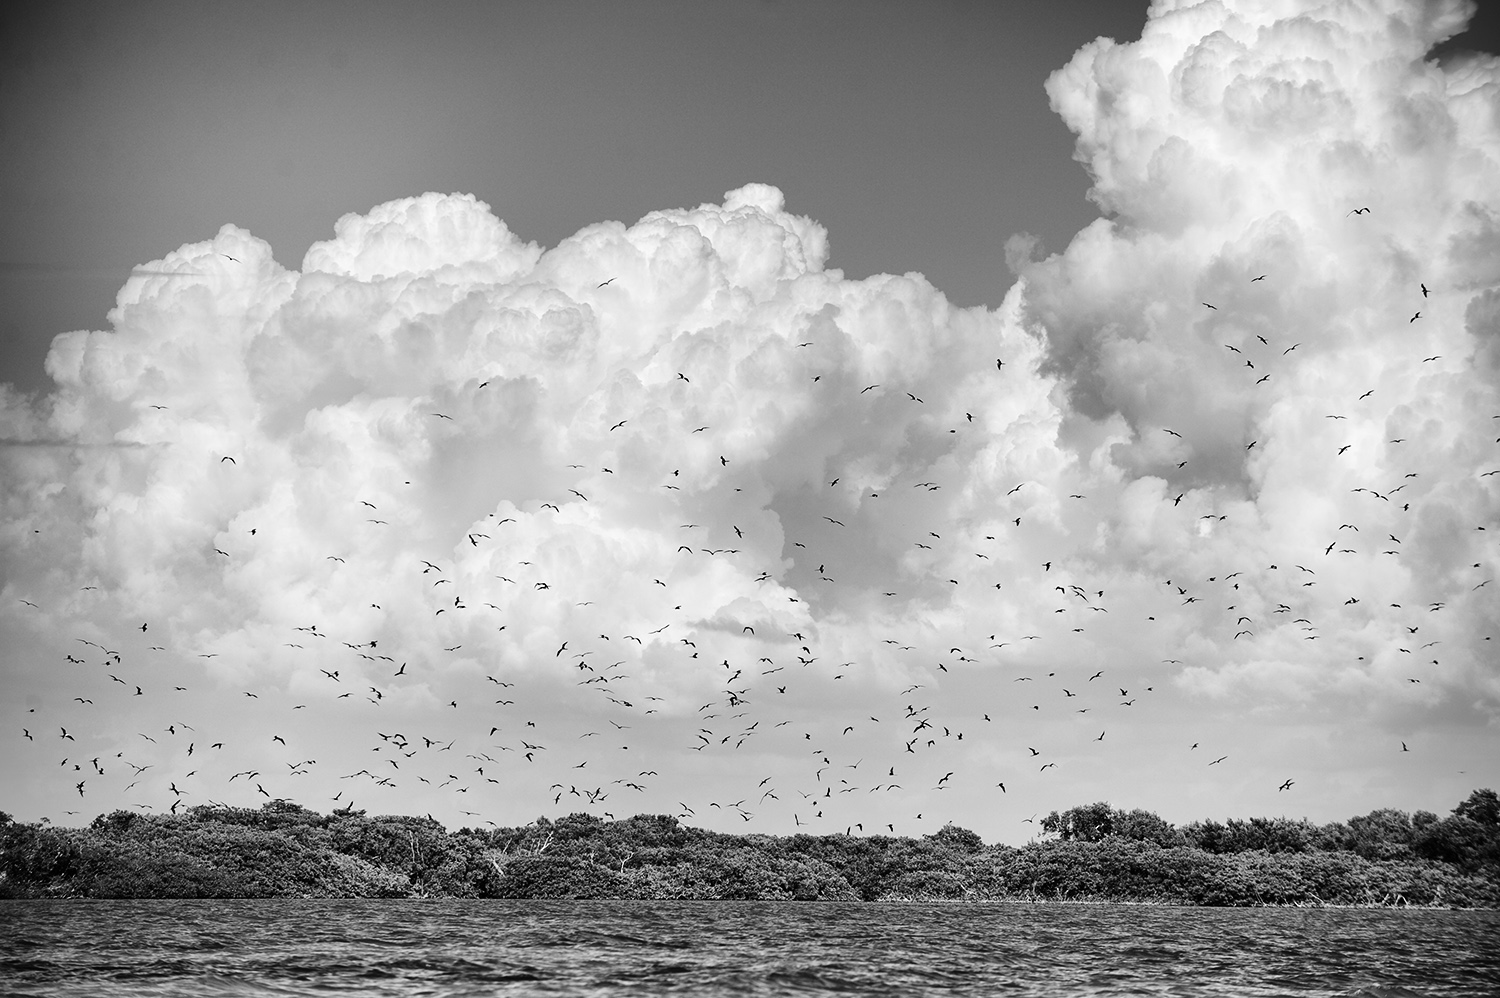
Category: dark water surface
[460,948]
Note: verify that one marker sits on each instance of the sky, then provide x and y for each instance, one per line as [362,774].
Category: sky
[780,418]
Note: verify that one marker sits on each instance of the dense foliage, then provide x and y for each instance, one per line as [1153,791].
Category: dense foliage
[1092,852]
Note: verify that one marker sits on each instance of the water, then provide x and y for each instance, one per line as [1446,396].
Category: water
[461,948]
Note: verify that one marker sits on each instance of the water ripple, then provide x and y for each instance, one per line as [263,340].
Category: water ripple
[458,949]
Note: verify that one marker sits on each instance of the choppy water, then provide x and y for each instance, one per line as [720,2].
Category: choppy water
[460,948]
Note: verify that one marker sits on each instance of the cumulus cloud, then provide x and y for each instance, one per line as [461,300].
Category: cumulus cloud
[722,514]
[1334,392]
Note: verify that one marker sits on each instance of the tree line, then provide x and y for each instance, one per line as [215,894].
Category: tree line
[1088,853]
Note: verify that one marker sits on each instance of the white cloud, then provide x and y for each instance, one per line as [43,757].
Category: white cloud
[1230,143]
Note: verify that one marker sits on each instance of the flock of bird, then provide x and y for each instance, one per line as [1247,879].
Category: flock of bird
[599,720]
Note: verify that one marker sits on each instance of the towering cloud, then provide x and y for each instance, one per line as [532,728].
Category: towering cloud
[698,505]
[1297,275]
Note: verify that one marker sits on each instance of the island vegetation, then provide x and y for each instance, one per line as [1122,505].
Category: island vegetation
[1088,853]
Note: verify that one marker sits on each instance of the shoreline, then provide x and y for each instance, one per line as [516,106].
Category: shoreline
[286,851]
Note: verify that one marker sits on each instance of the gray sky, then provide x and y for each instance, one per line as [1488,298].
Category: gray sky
[1188,518]
[918,134]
